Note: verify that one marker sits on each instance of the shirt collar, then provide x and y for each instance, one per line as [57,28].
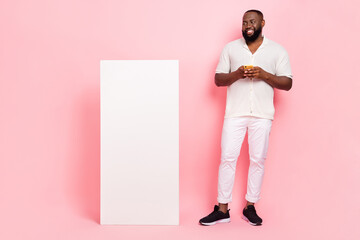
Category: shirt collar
[243,43]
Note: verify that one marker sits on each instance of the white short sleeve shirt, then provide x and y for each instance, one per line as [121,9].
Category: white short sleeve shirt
[252,97]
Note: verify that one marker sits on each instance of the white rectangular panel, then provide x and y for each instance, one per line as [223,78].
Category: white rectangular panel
[139,142]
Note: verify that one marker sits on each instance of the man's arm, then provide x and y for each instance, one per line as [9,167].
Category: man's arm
[280,82]
[226,79]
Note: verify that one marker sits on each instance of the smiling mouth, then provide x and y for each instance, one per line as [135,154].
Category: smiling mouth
[250,31]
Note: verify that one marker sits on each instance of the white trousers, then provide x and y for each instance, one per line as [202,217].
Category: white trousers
[233,133]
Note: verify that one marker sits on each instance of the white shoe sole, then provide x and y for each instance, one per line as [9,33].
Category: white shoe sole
[225,220]
[246,219]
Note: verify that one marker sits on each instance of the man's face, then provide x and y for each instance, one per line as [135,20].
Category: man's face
[252,26]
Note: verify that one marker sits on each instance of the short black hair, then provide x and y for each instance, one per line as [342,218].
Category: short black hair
[256,11]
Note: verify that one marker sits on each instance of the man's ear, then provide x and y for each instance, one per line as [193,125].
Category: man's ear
[263,23]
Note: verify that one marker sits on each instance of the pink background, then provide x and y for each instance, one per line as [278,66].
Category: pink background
[49,124]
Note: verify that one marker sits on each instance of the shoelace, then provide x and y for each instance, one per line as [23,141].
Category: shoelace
[252,212]
[213,213]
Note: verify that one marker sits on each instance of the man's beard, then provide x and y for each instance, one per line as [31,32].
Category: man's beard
[253,37]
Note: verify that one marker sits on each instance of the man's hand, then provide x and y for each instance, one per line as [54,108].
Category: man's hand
[226,79]
[280,82]
[241,72]
[256,72]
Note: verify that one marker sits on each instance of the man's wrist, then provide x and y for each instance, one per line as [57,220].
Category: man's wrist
[267,76]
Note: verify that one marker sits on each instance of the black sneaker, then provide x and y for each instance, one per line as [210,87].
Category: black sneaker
[250,216]
[215,217]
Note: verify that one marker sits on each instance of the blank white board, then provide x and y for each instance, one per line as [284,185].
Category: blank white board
[139,101]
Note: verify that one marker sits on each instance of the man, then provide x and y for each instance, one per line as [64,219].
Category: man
[250,68]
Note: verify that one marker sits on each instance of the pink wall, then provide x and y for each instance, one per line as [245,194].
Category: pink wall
[49,124]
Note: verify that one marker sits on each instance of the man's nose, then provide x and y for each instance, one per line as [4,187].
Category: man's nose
[250,25]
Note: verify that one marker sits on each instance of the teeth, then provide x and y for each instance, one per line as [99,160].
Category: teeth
[250,31]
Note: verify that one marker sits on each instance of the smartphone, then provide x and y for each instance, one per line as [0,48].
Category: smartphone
[246,67]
